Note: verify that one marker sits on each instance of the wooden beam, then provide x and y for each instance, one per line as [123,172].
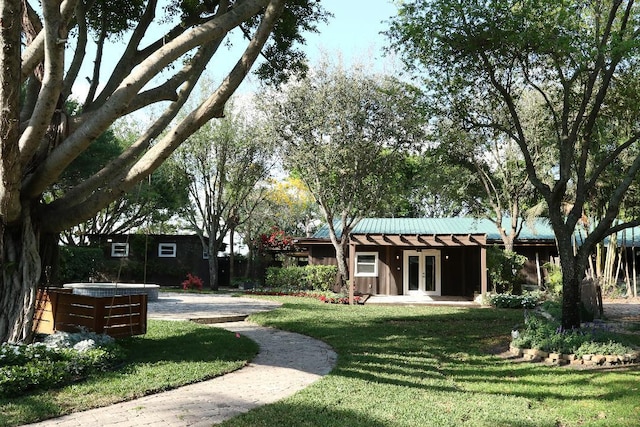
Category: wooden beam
[483,270]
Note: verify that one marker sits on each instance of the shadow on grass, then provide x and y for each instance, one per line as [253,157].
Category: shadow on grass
[444,355]
[171,341]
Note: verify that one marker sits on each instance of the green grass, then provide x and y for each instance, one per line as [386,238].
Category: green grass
[432,366]
[397,366]
[171,354]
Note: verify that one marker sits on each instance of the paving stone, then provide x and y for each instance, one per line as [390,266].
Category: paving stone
[287,362]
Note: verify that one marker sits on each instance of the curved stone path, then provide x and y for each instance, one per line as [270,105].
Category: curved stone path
[287,362]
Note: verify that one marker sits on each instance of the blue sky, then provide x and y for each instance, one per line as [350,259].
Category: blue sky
[354,30]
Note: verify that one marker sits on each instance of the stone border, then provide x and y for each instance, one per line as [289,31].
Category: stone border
[559,359]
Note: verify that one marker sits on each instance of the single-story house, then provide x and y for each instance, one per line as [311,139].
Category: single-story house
[427,256]
[163,259]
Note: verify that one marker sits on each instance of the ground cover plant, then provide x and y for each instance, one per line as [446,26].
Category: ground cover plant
[542,330]
[57,360]
[413,366]
[171,354]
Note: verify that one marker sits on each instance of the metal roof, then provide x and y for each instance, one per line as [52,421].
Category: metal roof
[440,226]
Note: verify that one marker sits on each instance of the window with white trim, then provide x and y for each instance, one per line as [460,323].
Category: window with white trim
[366,264]
[167,250]
[119,250]
[205,253]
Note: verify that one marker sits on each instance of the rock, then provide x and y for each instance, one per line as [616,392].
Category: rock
[515,351]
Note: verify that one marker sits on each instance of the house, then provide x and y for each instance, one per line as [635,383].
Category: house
[428,257]
[163,259]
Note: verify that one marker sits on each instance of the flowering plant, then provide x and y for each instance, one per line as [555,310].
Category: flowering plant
[275,240]
[192,282]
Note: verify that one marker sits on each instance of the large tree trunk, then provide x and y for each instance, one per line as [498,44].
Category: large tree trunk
[570,295]
[20,277]
[573,269]
[343,275]
[214,279]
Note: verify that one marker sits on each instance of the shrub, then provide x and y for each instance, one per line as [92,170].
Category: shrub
[321,277]
[192,282]
[553,280]
[59,360]
[504,269]
[79,263]
[547,335]
[310,277]
[526,300]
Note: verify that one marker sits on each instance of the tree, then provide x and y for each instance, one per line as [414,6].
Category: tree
[151,204]
[290,207]
[498,188]
[39,140]
[342,133]
[227,163]
[578,60]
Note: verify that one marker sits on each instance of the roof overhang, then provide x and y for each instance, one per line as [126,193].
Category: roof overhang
[431,240]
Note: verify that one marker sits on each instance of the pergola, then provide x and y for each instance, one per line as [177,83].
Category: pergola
[418,241]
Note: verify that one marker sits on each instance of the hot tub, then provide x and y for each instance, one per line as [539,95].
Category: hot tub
[111,289]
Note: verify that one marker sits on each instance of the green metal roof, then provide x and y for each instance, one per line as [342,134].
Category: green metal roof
[441,226]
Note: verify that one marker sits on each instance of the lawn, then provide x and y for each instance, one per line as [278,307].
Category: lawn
[397,366]
[432,366]
[171,354]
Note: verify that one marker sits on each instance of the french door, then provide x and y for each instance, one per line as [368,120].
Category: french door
[422,272]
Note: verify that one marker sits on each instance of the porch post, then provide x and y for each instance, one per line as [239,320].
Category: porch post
[483,269]
[352,269]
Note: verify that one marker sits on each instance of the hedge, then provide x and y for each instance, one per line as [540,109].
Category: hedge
[310,277]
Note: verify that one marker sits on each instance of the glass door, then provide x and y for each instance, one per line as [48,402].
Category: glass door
[422,272]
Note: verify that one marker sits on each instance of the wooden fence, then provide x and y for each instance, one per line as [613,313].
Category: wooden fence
[117,316]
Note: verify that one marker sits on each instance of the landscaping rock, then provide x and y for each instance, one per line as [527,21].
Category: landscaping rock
[515,351]
[555,356]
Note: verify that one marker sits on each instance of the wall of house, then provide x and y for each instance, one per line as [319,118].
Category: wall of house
[537,256]
[460,271]
[322,255]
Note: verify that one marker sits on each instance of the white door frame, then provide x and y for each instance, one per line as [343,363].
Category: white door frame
[422,254]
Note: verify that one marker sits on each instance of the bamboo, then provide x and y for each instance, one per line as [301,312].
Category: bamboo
[538,269]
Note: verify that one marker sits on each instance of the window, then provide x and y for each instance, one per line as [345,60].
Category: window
[367,264]
[167,250]
[119,250]
[205,253]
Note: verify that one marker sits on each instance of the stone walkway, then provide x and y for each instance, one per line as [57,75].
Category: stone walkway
[287,363]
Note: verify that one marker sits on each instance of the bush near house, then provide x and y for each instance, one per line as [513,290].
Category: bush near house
[310,277]
[526,300]
[504,270]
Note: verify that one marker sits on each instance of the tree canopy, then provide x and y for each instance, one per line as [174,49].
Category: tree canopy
[226,164]
[161,51]
[343,133]
[485,61]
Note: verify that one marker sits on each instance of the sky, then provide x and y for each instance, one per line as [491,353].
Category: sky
[352,33]
[354,30]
